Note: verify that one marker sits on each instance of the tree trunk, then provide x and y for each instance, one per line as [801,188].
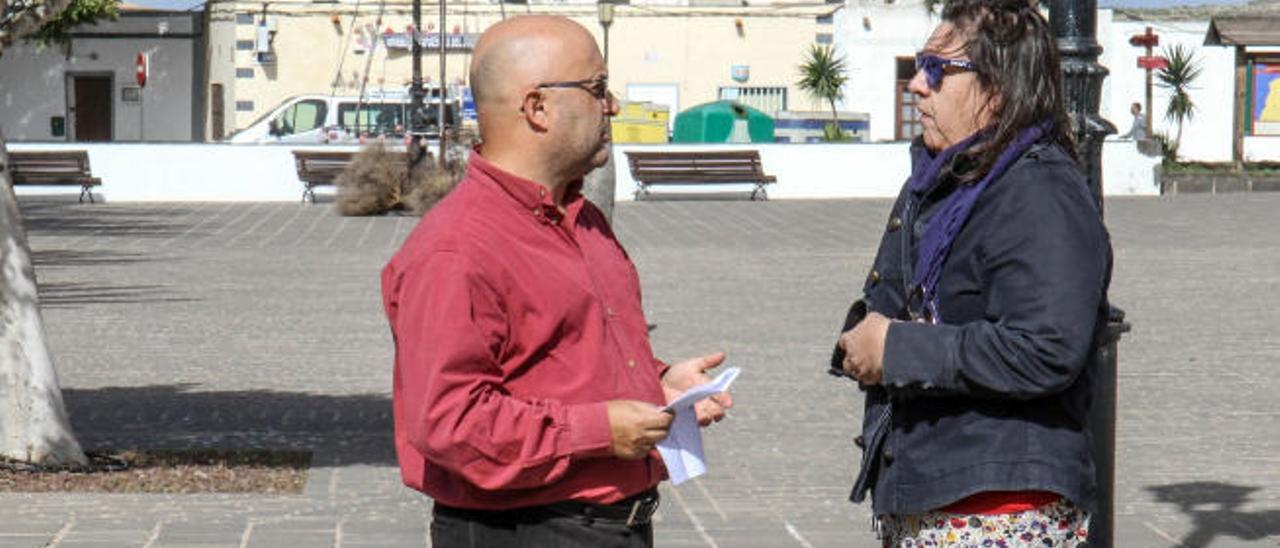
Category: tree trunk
[33,420]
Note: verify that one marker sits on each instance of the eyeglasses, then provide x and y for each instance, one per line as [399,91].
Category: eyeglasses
[598,87]
[935,67]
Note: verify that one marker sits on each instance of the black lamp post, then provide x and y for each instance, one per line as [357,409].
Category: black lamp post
[1074,23]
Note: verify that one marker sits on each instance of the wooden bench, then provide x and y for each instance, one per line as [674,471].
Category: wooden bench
[319,168]
[322,168]
[699,168]
[56,167]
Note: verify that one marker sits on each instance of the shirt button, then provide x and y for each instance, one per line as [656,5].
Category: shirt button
[888,457]
[860,442]
[631,364]
[895,223]
[873,277]
[611,312]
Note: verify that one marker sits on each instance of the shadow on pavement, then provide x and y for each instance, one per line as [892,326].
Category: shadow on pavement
[72,295]
[1213,509]
[53,258]
[339,429]
[66,219]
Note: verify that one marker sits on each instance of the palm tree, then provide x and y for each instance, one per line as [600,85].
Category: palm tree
[1177,77]
[822,75]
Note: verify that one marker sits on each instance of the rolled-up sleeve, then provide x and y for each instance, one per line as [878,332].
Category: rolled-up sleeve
[1045,258]
[450,328]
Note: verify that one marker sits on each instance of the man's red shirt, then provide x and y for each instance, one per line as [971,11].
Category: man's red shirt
[513,326]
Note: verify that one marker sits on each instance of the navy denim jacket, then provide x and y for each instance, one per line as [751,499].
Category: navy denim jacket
[994,398]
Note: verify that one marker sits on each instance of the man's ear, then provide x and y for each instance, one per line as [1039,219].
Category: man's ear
[534,107]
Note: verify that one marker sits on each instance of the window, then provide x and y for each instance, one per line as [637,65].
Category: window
[907,112]
[1263,95]
[824,38]
[826,19]
[244,73]
[244,18]
[244,45]
[244,106]
[372,118]
[765,99]
[300,117]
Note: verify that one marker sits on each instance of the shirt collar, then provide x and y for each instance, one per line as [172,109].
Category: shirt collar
[531,196]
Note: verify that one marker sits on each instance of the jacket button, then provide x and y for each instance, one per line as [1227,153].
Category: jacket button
[895,223]
[887,455]
[860,441]
[873,277]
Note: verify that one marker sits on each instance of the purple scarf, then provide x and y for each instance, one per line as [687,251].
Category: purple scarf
[952,214]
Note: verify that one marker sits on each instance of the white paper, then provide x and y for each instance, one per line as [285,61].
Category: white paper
[681,450]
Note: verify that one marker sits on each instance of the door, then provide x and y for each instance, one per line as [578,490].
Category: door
[90,108]
[218,116]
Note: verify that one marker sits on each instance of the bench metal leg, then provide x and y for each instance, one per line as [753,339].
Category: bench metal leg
[642,191]
[309,193]
[759,190]
[86,190]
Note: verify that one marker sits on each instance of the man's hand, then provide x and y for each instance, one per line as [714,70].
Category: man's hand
[864,348]
[637,427]
[690,373]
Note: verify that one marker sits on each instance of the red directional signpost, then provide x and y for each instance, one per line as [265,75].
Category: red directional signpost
[1149,62]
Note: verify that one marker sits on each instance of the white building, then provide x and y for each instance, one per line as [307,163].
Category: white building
[88,91]
[880,40]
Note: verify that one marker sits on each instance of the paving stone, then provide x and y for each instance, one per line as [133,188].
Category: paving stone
[202,325]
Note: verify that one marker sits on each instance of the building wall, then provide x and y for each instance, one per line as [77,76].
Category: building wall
[691,47]
[34,83]
[872,35]
[1207,136]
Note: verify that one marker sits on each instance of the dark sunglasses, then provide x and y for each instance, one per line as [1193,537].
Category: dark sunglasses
[935,67]
[597,87]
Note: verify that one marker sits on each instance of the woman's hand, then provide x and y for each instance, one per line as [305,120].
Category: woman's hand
[864,348]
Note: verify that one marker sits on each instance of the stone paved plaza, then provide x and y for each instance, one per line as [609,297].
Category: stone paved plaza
[260,325]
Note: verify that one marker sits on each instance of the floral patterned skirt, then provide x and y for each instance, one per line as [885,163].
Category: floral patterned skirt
[1059,524]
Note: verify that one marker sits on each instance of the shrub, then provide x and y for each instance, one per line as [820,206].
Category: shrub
[378,180]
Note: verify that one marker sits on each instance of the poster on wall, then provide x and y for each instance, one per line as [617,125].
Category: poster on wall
[1266,98]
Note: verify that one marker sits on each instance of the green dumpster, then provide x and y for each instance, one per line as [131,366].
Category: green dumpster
[723,122]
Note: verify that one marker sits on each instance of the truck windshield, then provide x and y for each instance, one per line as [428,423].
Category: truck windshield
[372,118]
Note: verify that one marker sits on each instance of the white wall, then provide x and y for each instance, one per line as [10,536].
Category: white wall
[1207,136]
[1262,149]
[34,87]
[221,172]
[871,170]
[871,49]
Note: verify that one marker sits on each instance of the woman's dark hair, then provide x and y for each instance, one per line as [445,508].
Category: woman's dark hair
[1017,62]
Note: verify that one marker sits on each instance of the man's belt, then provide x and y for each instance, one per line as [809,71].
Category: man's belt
[632,511]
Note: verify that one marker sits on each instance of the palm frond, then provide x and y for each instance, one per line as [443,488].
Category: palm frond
[822,74]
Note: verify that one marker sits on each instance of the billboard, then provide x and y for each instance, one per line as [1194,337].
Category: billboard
[1265,110]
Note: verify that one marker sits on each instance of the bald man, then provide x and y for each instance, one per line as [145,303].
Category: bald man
[527,397]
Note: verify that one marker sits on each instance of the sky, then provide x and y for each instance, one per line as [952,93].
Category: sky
[193,4]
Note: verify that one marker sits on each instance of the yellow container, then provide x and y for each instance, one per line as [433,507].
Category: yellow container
[639,132]
[640,122]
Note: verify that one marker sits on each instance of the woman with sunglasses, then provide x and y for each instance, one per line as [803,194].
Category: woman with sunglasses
[985,302]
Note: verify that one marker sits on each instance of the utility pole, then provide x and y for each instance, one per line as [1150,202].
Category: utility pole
[417,125]
[444,90]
